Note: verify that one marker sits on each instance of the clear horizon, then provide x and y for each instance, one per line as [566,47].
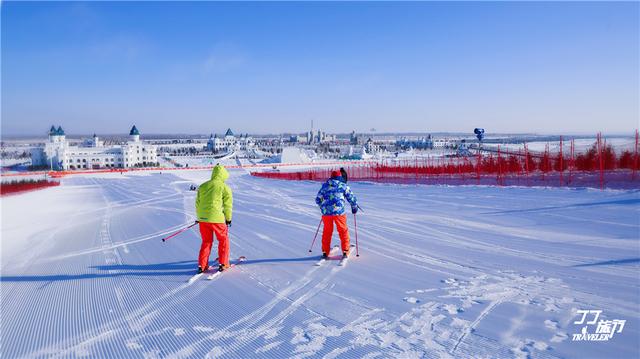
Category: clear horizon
[190,68]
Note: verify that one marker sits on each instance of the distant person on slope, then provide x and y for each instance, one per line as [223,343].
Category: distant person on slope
[214,202]
[331,199]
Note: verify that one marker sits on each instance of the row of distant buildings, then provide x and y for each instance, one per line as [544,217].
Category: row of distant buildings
[312,137]
[427,143]
[59,154]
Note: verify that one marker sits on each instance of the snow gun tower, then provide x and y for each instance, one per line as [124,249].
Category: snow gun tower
[480,135]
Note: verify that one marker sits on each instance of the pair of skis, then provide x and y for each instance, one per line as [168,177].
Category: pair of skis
[342,263]
[343,260]
[216,273]
[211,276]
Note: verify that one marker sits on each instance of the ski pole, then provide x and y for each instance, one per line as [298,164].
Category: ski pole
[316,236]
[360,208]
[355,225]
[180,231]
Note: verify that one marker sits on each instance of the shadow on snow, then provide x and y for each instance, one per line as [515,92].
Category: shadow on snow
[181,268]
[611,262]
[632,201]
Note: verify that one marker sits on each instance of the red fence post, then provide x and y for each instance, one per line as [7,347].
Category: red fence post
[572,164]
[561,164]
[600,160]
[526,161]
[478,166]
[635,159]
[499,168]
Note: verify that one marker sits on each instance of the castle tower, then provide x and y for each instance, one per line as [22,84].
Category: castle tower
[56,135]
[52,132]
[96,141]
[134,134]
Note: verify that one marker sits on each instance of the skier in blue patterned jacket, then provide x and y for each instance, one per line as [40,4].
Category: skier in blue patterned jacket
[330,199]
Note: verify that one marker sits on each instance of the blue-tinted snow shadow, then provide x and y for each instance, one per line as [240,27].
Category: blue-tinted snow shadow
[280,260]
[182,269]
[611,262]
[151,266]
[633,201]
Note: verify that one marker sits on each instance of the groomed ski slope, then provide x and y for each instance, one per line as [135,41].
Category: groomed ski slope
[444,272]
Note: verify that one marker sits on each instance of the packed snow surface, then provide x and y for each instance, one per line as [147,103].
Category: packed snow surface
[443,272]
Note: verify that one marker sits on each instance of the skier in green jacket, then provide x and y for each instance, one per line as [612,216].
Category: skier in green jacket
[214,202]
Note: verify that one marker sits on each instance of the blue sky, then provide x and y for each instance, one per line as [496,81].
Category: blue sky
[200,67]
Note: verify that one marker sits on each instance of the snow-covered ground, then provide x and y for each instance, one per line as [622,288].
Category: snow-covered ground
[197,161]
[443,272]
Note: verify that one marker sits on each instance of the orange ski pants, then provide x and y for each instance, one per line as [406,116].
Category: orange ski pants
[327,232]
[222,234]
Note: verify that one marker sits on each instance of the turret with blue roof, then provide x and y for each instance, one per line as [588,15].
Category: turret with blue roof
[229,133]
[134,134]
[134,131]
[56,131]
[56,135]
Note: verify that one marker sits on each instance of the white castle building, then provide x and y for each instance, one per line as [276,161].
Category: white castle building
[57,154]
[229,142]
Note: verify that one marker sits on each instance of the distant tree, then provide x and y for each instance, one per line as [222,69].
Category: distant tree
[558,160]
[609,158]
[589,161]
[545,162]
[626,160]
[586,161]
[514,164]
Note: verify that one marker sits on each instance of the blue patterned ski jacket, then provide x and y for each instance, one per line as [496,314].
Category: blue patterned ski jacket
[331,197]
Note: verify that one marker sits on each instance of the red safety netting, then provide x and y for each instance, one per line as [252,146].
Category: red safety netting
[599,166]
[22,186]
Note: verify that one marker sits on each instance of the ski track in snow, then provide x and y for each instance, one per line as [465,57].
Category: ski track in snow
[444,272]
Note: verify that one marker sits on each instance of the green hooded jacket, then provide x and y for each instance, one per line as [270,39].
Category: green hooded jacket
[214,199]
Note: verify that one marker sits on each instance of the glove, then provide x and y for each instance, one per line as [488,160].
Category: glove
[228,223]
[354,210]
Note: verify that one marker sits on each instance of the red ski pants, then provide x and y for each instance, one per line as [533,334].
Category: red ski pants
[327,232]
[222,233]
